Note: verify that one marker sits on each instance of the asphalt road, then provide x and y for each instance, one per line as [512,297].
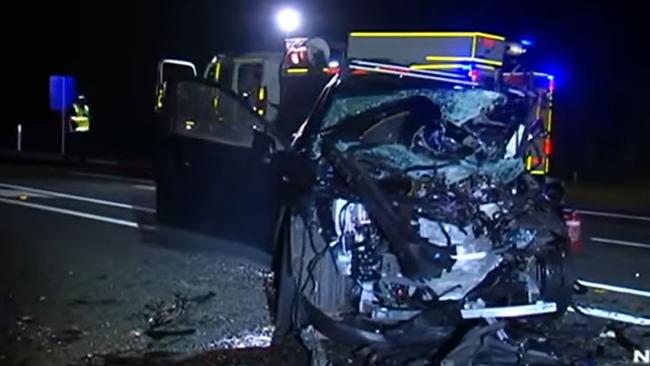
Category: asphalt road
[82,274]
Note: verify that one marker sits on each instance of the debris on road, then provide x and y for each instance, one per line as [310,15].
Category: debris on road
[26,319]
[258,338]
[99,302]
[67,335]
[160,334]
[200,299]
[162,314]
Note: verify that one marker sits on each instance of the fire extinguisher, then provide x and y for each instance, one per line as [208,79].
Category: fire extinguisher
[574,229]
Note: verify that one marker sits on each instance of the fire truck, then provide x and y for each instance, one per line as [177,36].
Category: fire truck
[307,64]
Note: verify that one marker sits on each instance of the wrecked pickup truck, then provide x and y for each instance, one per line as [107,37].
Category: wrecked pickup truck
[404,210]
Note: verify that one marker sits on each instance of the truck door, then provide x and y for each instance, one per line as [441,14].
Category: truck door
[216,187]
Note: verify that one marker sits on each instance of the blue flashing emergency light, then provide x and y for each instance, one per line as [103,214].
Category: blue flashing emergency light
[526,42]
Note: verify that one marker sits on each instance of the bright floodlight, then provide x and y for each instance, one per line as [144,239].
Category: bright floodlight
[288,20]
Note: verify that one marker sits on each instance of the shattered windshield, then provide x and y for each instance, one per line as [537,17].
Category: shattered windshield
[457,106]
[418,131]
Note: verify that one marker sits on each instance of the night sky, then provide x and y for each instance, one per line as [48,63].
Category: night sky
[596,51]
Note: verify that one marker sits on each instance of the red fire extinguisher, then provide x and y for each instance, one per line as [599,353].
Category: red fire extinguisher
[574,224]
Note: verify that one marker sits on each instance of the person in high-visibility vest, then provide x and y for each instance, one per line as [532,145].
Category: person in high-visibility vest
[80,118]
[79,128]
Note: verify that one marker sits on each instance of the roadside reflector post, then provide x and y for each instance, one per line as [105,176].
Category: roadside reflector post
[19,137]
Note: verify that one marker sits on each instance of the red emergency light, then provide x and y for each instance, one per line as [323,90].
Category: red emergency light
[474,75]
[548,146]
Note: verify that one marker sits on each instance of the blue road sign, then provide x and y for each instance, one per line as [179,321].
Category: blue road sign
[63,92]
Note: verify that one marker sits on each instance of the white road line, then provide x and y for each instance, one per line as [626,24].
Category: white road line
[80,198]
[620,242]
[613,215]
[145,187]
[14,193]
[619,289]
[611,315]
[71,213]
[103,162]
[112,177]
